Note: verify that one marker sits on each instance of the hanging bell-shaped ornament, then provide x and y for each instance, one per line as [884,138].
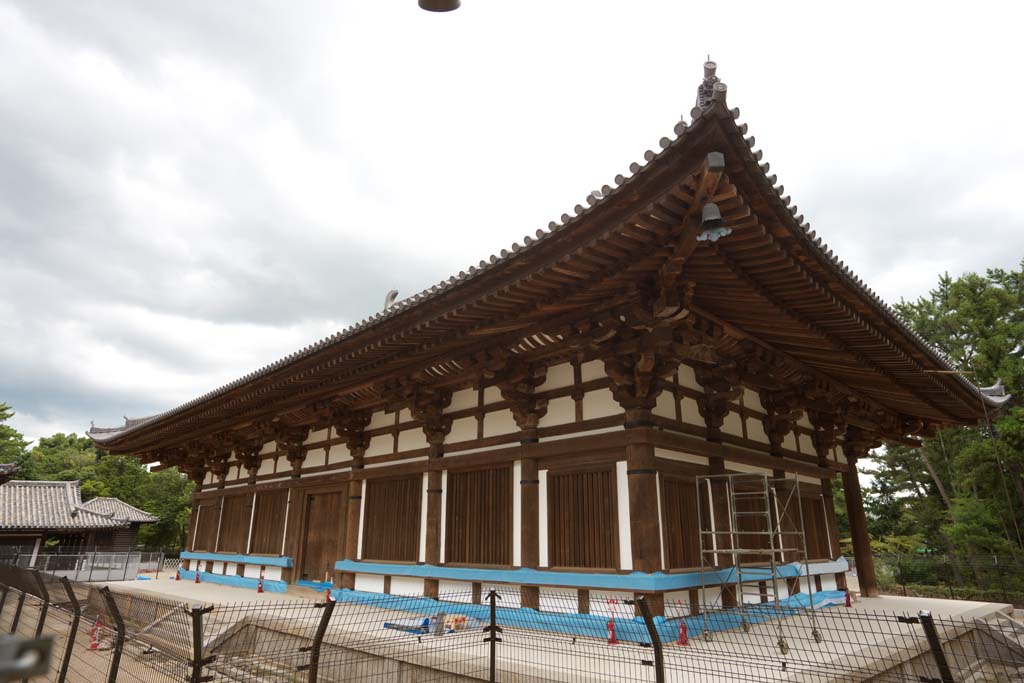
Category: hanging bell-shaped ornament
[439,5]
[711,216]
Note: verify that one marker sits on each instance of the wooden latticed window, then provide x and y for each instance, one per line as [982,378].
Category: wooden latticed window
[582,519]
[392,526]
[206,527]
[478,517]
[234,524]
[268,524]
[679,512]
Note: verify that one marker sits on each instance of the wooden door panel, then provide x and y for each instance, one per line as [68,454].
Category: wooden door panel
[325,532]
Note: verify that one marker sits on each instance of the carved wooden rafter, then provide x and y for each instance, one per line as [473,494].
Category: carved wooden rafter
[782,411]
[857,442]
[828,418]
[247,451]
[352,424]
[518,384]
[426,403]
[290,439]
[636,363]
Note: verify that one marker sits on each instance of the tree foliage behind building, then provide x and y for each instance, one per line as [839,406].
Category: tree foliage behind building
[69,457]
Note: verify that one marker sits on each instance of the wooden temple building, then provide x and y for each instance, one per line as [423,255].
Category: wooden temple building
[538,421]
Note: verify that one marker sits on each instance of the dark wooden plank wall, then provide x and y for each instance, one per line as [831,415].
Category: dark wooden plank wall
[392,525]
[269,523]
[206,533]
[234,524]
[814,528]
[324,535]
[582,519]
[478,518]
[679,512]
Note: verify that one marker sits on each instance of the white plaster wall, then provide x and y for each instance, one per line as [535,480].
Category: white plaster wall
[423,520]
[561,411]
[266,467]
[789,441]
[410,439]
[381,419]
[828,582]
[733,424]
[622,500]
[510,594]
[744,468]
[752,400]
[599,403]
[218,568]
[381,444]
[371,583]
[755,431]
[610,603]
[232,473]
[463,429]
[840,455]
[406,585]
[456,591]
[208,479]
[542,518]
[272,573]
[804,421]
[318,435]
[251,571]
[492,395]
[558,376]
[268,447]
[677,604]
[444,512]
[314,458]
[690,412]
[338,454]
[362,521]
[661,529]
[230,568]
[666,405]
[593,369]
[462,399]
[687,378]
[517,513]
[680,457]
[563,600]
[499,422]
[806,445]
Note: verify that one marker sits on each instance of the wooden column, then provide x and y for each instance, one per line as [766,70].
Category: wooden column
[636,382]
[530,526]
[856,445]
[352,426]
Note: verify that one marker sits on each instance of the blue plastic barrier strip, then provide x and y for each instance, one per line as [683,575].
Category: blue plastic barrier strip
[269,585]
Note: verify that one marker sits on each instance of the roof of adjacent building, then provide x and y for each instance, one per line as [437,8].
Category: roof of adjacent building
[835,324]
[119,509]
[57,505]
[8,471]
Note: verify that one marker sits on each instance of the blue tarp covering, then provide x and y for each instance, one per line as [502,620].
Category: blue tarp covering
[277,561]
[593,625]
[269,586]
[635,581]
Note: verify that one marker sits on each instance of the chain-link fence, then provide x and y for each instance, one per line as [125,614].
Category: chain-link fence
[90,566]
[112,635]
[985,578]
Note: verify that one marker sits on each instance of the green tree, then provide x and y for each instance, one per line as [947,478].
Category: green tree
[13,446]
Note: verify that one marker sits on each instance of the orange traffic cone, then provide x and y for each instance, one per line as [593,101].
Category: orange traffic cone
[94,636]
[849,603]
[683,639]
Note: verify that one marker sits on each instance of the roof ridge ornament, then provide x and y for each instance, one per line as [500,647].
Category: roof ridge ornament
[706,94]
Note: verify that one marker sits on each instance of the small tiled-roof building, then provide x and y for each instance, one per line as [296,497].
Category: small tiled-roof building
[33,512]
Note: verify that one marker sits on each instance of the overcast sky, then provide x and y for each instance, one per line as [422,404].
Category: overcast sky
[191,189]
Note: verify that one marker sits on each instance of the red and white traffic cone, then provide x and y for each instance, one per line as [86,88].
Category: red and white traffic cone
[612,639]
[849,603]
[94,636]
[259,586]
[327,595]
[199,570]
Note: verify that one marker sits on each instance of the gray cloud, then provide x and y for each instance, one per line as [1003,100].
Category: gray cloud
[191,190]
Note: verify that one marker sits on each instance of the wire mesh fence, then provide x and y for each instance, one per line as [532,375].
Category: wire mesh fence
[113,635]
[956,577]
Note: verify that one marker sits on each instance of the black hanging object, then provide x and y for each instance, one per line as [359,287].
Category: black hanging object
[440,5]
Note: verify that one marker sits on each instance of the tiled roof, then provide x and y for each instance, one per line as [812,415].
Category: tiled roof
[51,505]
[119,510]
[710,100]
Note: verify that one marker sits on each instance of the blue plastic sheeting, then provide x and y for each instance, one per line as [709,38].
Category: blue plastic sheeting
[269,585]
[140,577]
[636,581]
[592,625]
[239,559]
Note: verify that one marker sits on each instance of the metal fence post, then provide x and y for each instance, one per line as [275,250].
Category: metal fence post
[76,616]
[198,662]
[115,615]
[652,631]
[318,638]
[17,612]
[935,645]
[492,630]
[45,595]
